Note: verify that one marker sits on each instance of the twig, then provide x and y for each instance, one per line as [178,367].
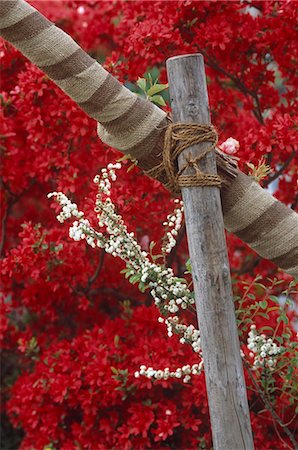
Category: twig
[4,222]
[117,294]
[12,199]
[238,83]
[97,270]
[258,112]
[249,266]
[270,409]
[295,203]
[278,434]
[280,171]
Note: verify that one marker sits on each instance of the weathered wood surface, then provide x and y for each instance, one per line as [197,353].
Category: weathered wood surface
[228,407]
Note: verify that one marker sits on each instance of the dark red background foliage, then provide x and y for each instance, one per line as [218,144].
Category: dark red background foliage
[65,321]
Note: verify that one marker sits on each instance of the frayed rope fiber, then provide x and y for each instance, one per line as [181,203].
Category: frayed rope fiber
[178,137]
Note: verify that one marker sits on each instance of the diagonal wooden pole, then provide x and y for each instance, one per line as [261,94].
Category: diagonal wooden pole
[228,407]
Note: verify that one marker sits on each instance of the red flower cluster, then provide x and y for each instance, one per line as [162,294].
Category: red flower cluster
[84,390]
[71,342]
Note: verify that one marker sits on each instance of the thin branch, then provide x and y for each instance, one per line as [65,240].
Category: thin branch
[7,188]
[281,170]
[250,265]
[11,200]
[278,434]
[116,294]
[237,82]
[269,407]
[97,270]
[295,202]
[3,227]
[258,111]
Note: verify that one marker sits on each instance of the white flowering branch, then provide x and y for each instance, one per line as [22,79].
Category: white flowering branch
[169,292]
[165,374]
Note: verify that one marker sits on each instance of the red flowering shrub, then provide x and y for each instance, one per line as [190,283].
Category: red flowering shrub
[84,390]
[71,343]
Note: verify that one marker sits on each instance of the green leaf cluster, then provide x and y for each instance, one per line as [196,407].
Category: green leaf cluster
[152,90]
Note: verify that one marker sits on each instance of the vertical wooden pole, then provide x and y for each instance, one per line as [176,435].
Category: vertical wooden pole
[228,407]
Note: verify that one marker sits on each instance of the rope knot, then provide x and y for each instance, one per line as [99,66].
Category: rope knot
[178,137]
[194,164]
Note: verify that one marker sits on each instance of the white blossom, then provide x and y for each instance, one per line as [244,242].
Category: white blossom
[69,209]
[189,333]
[186,372]
[173,225]
[263,349]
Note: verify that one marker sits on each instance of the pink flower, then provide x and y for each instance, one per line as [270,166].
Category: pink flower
[230,146]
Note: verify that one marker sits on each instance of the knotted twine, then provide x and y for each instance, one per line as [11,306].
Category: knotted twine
[178,137]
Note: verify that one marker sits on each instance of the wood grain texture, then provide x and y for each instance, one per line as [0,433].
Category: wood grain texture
[228,407]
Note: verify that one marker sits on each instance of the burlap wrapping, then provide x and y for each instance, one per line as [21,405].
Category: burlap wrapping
[136,127]
[127,122]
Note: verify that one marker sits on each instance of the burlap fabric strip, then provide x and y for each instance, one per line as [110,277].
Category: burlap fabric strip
[138,128]
[125,121]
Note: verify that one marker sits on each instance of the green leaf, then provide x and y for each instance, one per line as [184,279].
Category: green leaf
[132,166]
[266,329]
[114,370]
[261,286]
[142,287]
[128,273]
[274,298]
[157,88]
[286,336]
[116,340]
[182,280]
[290,372]
[252,296]
[126,157]
[158,100]
[151,245]
[193,21]
[264,315]
[283,318]
[188,265]
[141,82]
[155,257]
[134,278]
[273,308]
[263,304]
[277,282]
